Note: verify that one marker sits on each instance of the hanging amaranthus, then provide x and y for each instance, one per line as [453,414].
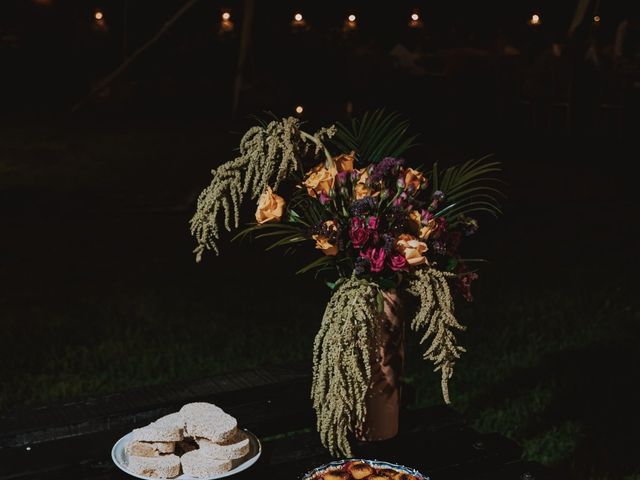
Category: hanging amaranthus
[435,316]
[268,155]
[342,357]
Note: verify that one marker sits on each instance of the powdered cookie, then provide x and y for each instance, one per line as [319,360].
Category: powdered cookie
[199,408]
[149,449]
[198,465]
[205,420]
[166,429]
[235,447]
[165,466]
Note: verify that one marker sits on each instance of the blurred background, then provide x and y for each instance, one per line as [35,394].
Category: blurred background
[113,112]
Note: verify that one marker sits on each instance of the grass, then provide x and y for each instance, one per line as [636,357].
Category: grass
[553,369]
[100,293]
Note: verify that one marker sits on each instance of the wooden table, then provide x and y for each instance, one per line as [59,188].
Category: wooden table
[74,440]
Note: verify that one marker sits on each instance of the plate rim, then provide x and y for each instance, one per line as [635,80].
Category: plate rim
[372,462]
[247,464]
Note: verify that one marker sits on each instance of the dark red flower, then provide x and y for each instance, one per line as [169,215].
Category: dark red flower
[398,262]
[359,233]
[376,257]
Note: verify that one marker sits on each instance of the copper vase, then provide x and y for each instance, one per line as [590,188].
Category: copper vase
[383,397]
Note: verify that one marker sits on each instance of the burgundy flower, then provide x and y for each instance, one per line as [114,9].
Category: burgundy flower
[373,224]
[402,198]
[398,262]
[464,284]
[342,178]
[324,198]
[436,199]
[376,257]
[426,215]
[359,233]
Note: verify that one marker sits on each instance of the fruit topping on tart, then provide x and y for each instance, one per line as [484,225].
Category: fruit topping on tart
[362,471]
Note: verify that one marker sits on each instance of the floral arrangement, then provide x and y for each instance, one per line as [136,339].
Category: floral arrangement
[377,223]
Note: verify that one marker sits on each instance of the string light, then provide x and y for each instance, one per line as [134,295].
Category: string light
[299,109]
[226,25]
[596,19]
[415,21]
[350,23]
[298,22]
[99,23]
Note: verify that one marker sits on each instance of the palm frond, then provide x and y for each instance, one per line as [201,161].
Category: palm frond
[471,187]
[287,240]
[275,229]
[308,209]
[289,234]
[376,135]
[324,261]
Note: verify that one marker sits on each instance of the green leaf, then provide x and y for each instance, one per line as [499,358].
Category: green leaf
[452,264]
[287,241]
[444,210]
[316,263]
[294,217]
[474,206]
[380,300]
[471,186]
[376,135]
[253,227]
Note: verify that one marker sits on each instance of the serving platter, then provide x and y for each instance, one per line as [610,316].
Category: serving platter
[239,465]
[338,464]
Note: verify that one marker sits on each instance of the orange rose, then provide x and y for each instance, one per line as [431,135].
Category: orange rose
[270,207]
[319,180]
[361,189]
[344,162]
[412,249]
[428,229]
[413,179]
[416,220]
[323,243]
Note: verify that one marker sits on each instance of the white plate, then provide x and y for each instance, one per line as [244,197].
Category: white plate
[255,449]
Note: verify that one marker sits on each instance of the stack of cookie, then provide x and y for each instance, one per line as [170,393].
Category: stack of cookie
[200,440]
[217,438]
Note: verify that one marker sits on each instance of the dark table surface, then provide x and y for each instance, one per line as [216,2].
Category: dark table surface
[74,440]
